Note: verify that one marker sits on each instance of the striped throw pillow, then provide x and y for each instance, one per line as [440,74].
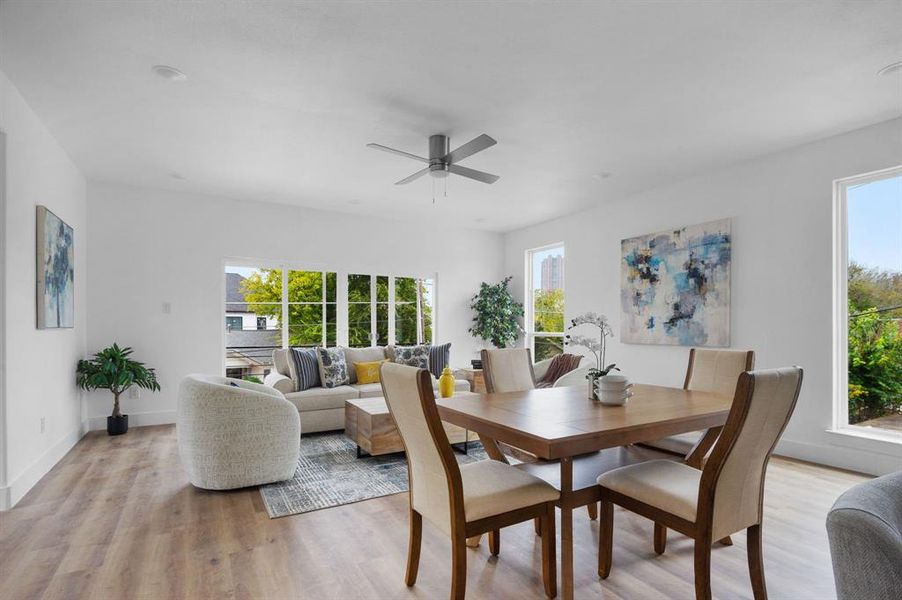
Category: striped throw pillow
[439,358]
[304,368]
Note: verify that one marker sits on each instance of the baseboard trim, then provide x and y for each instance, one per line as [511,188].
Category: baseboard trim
[16,490]
[840,456]
[162,417]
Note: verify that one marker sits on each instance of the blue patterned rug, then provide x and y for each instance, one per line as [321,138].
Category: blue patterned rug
[330,474]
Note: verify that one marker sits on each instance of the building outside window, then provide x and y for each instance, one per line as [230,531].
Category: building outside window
[545,301]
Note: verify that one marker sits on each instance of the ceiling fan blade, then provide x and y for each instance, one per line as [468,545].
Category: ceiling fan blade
[475,145]
[473,174]
[416,175]
[398,152]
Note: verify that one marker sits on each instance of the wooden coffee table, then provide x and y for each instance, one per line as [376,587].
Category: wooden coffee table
[369,424]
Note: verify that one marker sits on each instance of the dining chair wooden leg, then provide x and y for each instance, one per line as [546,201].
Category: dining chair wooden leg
[537,525]
[413,547]
[605,538]
[593,511]
[549,553]
[458,567]
[703,569]
[660,538]
[756,562]
[495,542]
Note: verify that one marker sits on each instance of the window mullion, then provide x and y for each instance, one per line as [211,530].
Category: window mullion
[322,298]
[419,311]
[341,309]
[391,310]
[285,338]
[373,316]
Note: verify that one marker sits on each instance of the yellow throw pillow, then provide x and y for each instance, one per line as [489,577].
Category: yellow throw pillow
[368,372]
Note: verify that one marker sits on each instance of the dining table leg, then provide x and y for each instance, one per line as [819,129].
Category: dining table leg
[495,453]
[566,528]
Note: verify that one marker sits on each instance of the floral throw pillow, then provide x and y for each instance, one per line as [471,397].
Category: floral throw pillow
[412,356]
[333,369]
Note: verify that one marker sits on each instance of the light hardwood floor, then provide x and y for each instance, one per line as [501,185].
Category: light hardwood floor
[116,518]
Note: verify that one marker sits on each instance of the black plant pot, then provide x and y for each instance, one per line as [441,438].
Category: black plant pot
[117,425]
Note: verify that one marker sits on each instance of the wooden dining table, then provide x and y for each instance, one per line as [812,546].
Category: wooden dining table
[576,439]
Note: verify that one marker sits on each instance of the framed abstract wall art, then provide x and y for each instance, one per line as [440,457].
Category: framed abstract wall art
[55,272]
[675,286]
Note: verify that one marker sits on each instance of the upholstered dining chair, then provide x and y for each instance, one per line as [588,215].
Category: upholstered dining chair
[709,371]
[463,501]
[511,370]
[508,370]
[723,498]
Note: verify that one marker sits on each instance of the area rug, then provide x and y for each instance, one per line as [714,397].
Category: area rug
[330,474]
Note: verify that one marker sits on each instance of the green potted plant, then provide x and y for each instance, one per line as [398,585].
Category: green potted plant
[496,313]
[112,369]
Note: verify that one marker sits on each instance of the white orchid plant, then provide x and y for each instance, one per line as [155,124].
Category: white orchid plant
[597,346]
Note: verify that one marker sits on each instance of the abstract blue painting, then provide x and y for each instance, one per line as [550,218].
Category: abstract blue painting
[675,286]
[56,272]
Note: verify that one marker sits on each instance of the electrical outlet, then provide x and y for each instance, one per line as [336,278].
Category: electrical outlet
[167,308]
[43,424]
[133,393]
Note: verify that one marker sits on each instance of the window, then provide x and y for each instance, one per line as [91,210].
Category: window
[321,308]
[413,311]
[360,311]
[869,303]
[389,310]
[254,294]
[545,301]
[311,309]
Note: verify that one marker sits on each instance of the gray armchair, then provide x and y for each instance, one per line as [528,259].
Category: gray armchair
[865,531]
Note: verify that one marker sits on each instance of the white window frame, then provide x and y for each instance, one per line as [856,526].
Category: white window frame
[529,308]
[841,308]
[341,304]
[392,331]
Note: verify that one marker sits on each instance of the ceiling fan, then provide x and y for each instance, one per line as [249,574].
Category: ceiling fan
[441,161]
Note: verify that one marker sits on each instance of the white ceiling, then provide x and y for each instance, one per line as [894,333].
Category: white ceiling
[282,97]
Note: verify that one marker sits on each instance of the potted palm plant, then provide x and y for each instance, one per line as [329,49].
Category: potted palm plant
[112,369]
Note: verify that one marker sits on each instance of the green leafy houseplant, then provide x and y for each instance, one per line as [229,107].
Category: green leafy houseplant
[112,369]
[496,314]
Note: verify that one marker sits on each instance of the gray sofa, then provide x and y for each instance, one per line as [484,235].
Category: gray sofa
[323,409]
[865,531]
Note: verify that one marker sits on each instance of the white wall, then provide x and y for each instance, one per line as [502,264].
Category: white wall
[39,367]
[148,247]
[781,208]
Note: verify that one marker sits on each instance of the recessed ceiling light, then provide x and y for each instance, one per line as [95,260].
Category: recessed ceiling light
[178,176]
[602,175]
[169,73]
[896,67]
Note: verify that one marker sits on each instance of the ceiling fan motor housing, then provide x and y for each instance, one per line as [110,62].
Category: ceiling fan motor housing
[439,147]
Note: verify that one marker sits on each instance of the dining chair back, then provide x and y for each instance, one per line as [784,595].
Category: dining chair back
[508,370]
[732,483]
[435,479]
[717,370]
